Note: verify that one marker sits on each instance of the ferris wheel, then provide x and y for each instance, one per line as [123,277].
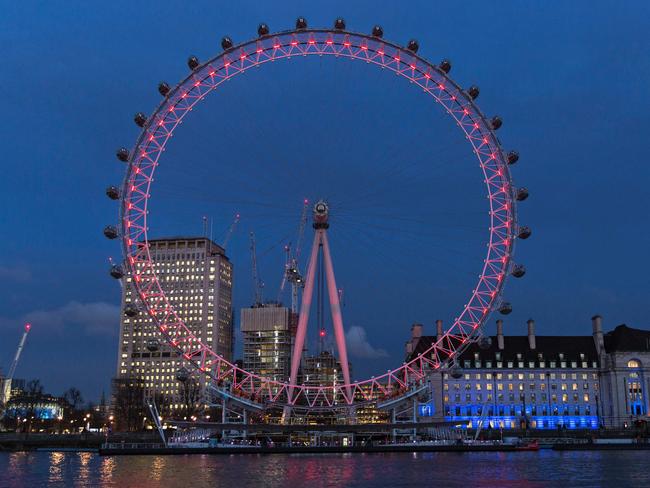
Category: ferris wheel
[204,78]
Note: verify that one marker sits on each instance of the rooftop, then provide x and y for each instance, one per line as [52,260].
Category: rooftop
[624,338]
[550,348]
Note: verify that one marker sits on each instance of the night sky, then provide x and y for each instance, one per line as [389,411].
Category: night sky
[569,79]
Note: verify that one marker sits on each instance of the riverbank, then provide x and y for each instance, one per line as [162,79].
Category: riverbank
[127,450]
[10,441]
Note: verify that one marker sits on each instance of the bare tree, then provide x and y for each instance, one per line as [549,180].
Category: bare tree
[190,391]
[32,399]
[73,398]
[128,402]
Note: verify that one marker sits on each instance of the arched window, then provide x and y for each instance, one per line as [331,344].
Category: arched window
[637,405]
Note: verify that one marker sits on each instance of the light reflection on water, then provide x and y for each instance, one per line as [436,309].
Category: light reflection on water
[56,467]
[544,468]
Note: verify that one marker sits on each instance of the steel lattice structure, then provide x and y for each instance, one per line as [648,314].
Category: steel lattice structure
[235,60]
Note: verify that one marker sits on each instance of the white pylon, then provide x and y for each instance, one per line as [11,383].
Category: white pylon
[321,224]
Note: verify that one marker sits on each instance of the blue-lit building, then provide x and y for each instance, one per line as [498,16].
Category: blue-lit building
[543,382]
[44,408]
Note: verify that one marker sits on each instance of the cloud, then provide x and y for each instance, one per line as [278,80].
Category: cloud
[358,345]
[17,274]
[93,318]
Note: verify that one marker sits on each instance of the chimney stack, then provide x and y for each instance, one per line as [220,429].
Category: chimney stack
[439,330]
[597,328]
[531,333]
[416,331]
[500,334]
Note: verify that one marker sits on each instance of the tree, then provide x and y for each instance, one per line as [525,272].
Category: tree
[190,392]
[73,398]
[31,399]
[128,402]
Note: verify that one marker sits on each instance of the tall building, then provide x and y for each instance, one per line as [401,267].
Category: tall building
[268,338]
[543,382]
[322,370]
[197,278]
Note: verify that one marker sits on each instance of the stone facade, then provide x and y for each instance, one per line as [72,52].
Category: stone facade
[543,382]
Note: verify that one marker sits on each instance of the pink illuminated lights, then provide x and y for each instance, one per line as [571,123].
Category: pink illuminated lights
[207,78]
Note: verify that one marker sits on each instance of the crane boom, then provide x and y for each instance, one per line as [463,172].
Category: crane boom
[6,390]
[301,229]
[230,232]
[257,284]
[287,265]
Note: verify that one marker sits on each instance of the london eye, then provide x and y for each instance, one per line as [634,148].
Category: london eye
[206,77]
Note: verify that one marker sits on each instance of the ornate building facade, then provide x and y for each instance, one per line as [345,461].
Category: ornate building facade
[543,382]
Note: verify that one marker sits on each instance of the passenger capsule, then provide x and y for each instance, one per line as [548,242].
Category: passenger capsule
[153,345]
[505,308]
[163,88]
[110,231]
[122,154]
[445,65]
[182,374]
[377,31]
[113,193]
[455,372]
[301,23]
[473,92]
[513,157]
[131,310]
[116,271]
[496,122]
[140,119]
[339,24]
[193,62]
[226,43]
[485,342]
[524,232]
[262,30]
[522,194]
[518,270]
[413,46]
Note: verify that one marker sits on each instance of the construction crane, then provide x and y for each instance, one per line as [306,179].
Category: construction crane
[231,229]
[6,387]
[301,228]
[291,271]
[257,283]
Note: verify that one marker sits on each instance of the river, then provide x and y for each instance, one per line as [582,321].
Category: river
[530,469]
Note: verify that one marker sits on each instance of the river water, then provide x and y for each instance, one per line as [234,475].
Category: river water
[529,469]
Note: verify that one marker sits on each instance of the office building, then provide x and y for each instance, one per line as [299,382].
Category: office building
[196,276]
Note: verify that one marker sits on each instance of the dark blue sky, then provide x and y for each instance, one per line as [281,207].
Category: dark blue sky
[569,79]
